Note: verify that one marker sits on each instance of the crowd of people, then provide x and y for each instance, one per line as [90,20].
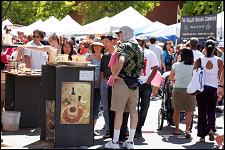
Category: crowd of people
[129,74]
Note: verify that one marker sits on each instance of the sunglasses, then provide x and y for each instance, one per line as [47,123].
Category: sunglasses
[36,36]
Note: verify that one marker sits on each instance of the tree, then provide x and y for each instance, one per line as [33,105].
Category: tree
[27,12]
[191,8]
[94,10]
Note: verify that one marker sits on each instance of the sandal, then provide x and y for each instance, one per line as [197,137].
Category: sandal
[176,133]
[211,135]
[187,134]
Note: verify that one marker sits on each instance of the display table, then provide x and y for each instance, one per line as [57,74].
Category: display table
[23,94]
[66,105]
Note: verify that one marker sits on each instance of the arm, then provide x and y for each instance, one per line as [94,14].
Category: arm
[27,61]
[172,75]
[220,89]
[39,48]
[163,62]
[117,67]
[152,75]
[220,66]
[19,54]
[161,67]
[196,65]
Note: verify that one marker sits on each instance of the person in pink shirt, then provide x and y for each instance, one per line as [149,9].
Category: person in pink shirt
[112,64]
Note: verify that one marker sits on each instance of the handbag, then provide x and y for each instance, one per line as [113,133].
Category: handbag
[131,82]
[196,85]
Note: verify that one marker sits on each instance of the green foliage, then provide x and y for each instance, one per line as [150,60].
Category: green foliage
[191,8]
[94,10]
[27,12]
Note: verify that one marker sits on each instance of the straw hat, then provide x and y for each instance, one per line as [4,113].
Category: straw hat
[97,41]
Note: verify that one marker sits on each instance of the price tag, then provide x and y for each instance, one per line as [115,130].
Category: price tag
[86,75]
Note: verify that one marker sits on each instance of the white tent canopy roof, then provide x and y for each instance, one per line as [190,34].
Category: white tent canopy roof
[100,26]
[29,29]
[6,22]
[173,29]
[130,17]
[51,25]
[151,28]
[70,26]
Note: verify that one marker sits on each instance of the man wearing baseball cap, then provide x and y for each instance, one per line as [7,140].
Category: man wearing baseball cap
[125,89]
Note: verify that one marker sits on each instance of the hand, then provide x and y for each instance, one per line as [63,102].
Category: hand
[116,77]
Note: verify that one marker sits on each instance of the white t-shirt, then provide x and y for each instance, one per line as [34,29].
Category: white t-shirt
[37,58]
[157,50]
[151,62]
[197,54]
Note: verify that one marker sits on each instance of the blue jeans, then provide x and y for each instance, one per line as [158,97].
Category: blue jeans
[104,102]
[144,94]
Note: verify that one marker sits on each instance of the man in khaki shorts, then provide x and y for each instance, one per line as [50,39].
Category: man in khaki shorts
[125,90]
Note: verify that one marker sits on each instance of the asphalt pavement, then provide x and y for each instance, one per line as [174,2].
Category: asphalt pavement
[153,138]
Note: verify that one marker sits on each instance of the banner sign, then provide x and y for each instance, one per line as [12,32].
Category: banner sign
[200,26]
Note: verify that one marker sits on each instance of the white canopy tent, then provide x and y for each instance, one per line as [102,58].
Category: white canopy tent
[51,25]
[150,28]
[173,29]
[29,29]
[69,26]
[5,23]
[130,17]
[100,26]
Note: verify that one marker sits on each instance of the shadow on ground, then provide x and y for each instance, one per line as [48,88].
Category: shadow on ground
[26,131]
[168,136]
[200,145]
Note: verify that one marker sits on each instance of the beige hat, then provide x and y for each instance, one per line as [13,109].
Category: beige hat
[97,41]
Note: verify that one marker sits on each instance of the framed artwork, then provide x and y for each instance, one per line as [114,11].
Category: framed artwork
[75,103]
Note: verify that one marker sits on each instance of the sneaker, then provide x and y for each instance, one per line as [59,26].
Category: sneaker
[202,139]
[128,145]
[112,145]
[96,133]
[211,135]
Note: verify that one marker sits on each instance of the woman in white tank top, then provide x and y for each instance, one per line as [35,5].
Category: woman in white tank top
[207,99]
